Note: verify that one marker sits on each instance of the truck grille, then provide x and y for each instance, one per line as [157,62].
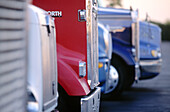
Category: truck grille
[12,56]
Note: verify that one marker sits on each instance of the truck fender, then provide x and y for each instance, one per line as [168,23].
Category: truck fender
[70,81]
[67,74]
[124,54]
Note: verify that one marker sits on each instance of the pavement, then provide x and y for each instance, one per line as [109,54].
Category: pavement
[152,95]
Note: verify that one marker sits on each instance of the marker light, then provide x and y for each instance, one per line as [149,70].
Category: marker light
[82,69]
[100,65]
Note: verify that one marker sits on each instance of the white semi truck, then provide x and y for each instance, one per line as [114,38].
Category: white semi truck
[42,62]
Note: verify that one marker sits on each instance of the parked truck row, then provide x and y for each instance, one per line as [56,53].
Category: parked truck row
[65,54]
[136,50]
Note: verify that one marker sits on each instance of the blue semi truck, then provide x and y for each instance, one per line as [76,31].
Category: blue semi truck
[150,50]
[108,75]
[136,52]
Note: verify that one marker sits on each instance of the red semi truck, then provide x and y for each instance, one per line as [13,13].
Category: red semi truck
[77,53]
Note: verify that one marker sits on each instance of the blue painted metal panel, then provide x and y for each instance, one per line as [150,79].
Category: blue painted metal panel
[121,41]
[104,47]
[124,36]
[148,75]
[122,45]
[123,51]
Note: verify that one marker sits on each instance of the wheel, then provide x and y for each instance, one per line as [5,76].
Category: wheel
[67,103]
[122,77]
[112,80]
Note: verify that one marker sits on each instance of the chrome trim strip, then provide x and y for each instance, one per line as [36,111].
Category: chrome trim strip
[92,44]
[150,62]
[152,66]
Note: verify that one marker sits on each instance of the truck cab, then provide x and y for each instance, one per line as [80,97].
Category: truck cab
[125,44]
[42,61]
[108,76]
[136,48]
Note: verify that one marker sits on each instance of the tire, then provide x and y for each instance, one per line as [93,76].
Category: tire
[67,103]
[131,78]
[122,70]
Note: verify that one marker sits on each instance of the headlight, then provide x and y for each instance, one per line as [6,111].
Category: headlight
[156,53]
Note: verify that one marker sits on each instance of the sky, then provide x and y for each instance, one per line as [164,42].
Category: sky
[158,10]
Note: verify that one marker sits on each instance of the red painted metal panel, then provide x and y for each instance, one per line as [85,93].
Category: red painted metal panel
[71,43]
